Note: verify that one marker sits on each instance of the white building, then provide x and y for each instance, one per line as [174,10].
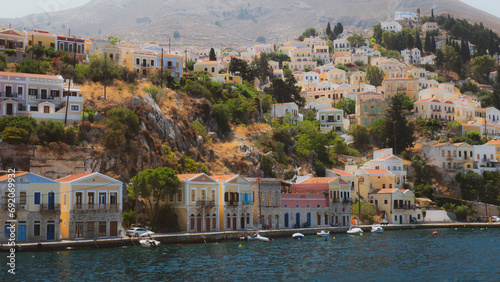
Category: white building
[281,110]
[341,45]
[405,16]
[391,26]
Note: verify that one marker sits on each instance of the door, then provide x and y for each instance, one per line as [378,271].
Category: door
[286,220]
[297,219]
[46,109]
[207,223]
[113,228]
[9,109]
[198,223]
[51,201]
[50,232]
[8,91]
[102,200]
[318,216]
[242,220]
[79,230]
[400,219]
[21,233]
[309,219]
[191,223]
[214,222]
[234,222]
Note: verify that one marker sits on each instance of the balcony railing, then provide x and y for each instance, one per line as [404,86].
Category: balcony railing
[347,201]
[404,207]
[232,203]
[50,207]
[11,95]
[90,207]
[205,203]
[247,203]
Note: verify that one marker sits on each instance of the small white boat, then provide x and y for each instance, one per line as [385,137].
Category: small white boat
[149,242]
[323,233]
[262,238]
[376,228]
[298,236]
[354,230]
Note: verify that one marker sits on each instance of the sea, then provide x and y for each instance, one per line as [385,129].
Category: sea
[462,254]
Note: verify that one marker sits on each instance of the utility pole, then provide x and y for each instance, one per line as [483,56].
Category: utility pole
[169,50]
[260,203]
[161,70]
[105,71]
[69,83]
[395,139]
[32,44]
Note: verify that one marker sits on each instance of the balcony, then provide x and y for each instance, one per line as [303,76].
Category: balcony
[205,203]
[17,206]
[346,201]
[232,203]
[11,95]
[247,203]
[95,207]
[52,207]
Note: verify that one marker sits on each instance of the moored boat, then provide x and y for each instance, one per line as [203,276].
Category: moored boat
[354,230]
[376,228]
[149,242]
[323,233]
[298,236]
[262,238]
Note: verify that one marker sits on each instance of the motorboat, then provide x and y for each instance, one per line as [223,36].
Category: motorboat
[323,233]
[354,230]
[298,236]
[262,238]
[149,242]
[376,228]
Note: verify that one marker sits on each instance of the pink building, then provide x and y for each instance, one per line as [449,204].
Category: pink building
[299,209]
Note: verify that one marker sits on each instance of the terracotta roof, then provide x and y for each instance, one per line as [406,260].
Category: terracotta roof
[183,177]
[424,199]
[282,104]
[330,109]
[378,171]
[340,172]
[207,62]
[384,191]
[7,176]
[384,157]
[494,142]
[382,150]
[73,177]
[223,177]
[30,75]
[318,180]
[441,144]
[423,100]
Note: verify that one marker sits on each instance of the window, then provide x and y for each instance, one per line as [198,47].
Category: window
[137,61]
[308,206]
[383,186]
[22,198]
[54,93]
[75,108]
[213,195]
[385,202]
[171,198]
[395,218]
[90,226]
[36,229]
[36,199]
[102,228]
[179,196]
[193,195]
[418,216]
[90,201]
[152,63]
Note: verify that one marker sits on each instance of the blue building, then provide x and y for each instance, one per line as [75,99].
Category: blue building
[172,64]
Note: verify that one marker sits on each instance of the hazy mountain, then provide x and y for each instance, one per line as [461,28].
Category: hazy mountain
[215,22]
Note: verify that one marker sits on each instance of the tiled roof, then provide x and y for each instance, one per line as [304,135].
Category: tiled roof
[424,100]
[493,142]
[7,176]
[384,191]
[341,172]
[73,177]
[318,180]
[223,177]
[441,144]
[283,104]
[378,171]
[187,175]
[330,109]
[30,75]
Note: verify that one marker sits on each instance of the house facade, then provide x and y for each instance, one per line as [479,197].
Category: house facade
[91,206]
[370,108]
[235,202]
[41,38]
[11,39]
[398,205]
[267,203]
[196,203]
[37,207]
[331,119]
[70,44]
[449,157]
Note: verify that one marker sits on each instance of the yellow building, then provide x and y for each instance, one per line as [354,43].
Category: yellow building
[398,205]
[370,179]
[111,51]
[495,143]
[91,206]
[370,107]
[231,79]
[11,39]
[408,86]
[235,202]
[141,61]
[196,204]
[211,67]
[41,38]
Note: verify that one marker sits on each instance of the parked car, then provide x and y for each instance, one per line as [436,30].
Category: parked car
[495,218]
[384,221]
[137,231]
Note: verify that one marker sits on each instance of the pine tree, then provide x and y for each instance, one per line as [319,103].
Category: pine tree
[433,44]
[427,43]
[418,42]
[211,55]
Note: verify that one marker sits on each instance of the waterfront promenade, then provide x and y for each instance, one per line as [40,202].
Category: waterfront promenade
[221,236]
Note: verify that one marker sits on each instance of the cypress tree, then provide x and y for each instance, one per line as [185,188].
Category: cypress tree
[211,55]
[328,30]
[432,14]
[433,44]
[447,41]
[465,52]
[427,43]
[418,41]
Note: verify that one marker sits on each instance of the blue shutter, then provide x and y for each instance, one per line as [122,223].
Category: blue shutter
[37,198]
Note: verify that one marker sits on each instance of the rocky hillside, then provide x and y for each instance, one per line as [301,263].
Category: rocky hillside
[211,23]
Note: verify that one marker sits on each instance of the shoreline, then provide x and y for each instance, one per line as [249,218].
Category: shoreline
[218,236]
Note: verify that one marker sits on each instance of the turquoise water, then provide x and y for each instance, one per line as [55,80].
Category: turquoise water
[412,255]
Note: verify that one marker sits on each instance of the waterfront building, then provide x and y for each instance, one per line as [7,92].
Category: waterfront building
[267,204]
[302,209]
[196,203]
[11,39]
[450,158]
[384,159]
[398,205]
[235,202]
[43,97]
[91,206]
[37,207]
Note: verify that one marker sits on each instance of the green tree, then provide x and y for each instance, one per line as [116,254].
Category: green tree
[398,131]
[211,55]
[374,75]
[377,132]
[289,174]
[366,210]
[309,32]
[114,40]
[418,41]
[427,42]
[262,69]
[102,69]
[50,131]
[360,133]
[421,168]
[154,186]
[347,105]
[433,44]
[177,35]
[221,115]
[267,163]
[285,91]
[495,96]
[14,135]
[3,62]
[328,30]
[471,185]
[356,40]
[481,67]
[261,39]
[23,122]
[377,33]
[238,65]
[29,65]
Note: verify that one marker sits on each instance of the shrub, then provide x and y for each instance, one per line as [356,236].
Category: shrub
[267,165]
[71,136]
[14,135]
[202,131]
[26,123]
[50,131]
[221,115]
[89,115]
[289,174]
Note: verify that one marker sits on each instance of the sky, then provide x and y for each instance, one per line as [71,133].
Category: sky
[20,8]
